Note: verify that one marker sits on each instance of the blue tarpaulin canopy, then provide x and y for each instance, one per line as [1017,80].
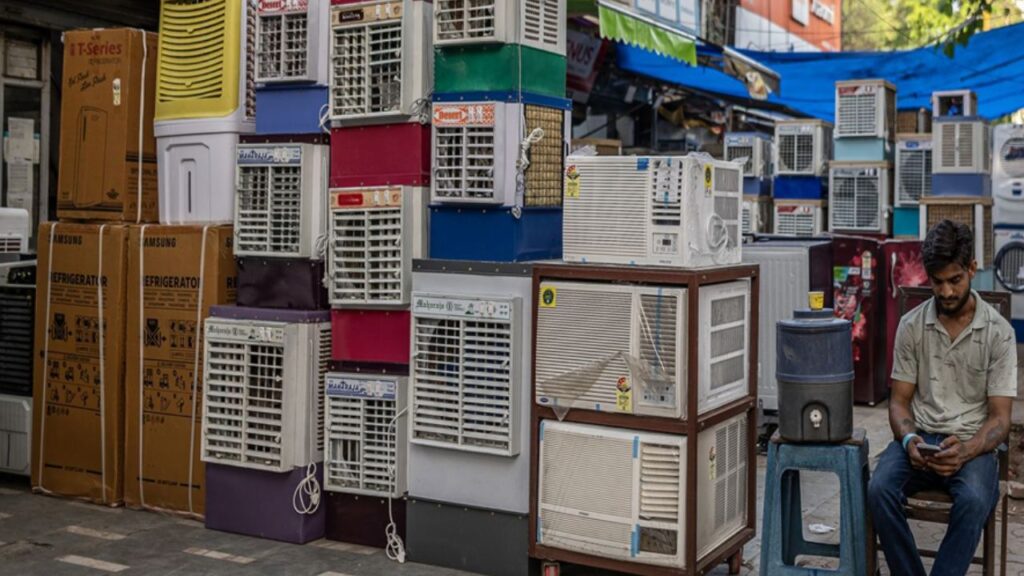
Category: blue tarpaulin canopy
[992,65]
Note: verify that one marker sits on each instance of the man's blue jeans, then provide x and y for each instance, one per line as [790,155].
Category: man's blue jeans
[975,493]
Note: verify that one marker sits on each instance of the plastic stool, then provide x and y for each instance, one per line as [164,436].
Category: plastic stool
[782,537]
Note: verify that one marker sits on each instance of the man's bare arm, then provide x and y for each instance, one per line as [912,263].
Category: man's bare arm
[992,433]
[901,419]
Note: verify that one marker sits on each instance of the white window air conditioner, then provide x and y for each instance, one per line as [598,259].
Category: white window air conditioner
[802,147]
[631,358]
[913,168]
[263,393]
[960,146]
[799,219]
[538,24]
[366,440]
[865,108]
[1008,173]
[756,216]
[280,197]
[375,233]
[292,41]
[670,211]
[952,103]
[635,508]
[859,196]
[755,147]
[382,61]
[15,230]
[465,373]
[478,151]
[15,434]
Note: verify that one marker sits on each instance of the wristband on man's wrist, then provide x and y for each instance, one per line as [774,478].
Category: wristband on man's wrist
[906,439]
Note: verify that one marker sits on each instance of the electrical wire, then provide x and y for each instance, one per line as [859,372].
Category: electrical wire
[395,549]
[306,498]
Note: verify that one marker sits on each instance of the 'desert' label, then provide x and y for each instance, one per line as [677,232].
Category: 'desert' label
[282,6]
[459,115]
[367,388]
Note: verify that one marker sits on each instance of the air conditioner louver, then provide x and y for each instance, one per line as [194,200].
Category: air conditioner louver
[798,220]
[375,234]
[477,150]
[465,373]
[365,441]
[676,211]
[961,146]
[290,39]
[262,380]
[724,455]
[858,198]
[865,108]
[280,199]
[756,148]
[534,23]
[381,61]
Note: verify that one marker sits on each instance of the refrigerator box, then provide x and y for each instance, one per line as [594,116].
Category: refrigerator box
[175,274]
[107,149]
[78,396]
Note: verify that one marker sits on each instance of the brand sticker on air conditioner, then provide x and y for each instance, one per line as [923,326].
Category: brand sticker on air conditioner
[462,308]
[282,6]
[456,115]
[368,198]
[360,388]
[858,90]
[255,155]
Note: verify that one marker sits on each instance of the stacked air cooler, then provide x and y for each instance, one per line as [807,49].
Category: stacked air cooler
[1008,216]
[624,445]
[757,178]
[800,185]
[381,69]
[205,99]
[501,123]
[17,327]
[961,171]
[860,176]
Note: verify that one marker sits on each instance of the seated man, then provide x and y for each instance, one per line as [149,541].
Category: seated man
[954,377]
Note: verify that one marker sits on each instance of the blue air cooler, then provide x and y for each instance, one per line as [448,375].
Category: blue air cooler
[814,371]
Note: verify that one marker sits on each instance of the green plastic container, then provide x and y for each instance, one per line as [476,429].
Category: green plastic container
[495,68]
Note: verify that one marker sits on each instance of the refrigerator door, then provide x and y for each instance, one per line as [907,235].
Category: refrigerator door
[903,267]
[858,284]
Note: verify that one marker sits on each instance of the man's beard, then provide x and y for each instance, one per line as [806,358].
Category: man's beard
[950,309]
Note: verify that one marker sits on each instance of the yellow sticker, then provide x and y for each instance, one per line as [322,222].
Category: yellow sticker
[624,395]
[707,176]
[548,297]
[712,465]
[572,182]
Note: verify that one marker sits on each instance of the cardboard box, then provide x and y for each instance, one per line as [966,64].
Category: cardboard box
[169,378]
[78,399]
[104,73]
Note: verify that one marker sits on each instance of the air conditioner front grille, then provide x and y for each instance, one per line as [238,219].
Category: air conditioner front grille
[270,209]
[965,149]
[737,152]
[541,21]
[367,69]
[915,175]
[17,321]
[462,391]
[458,20]
[728,180]
[731,478]
[795,222]
[224,404]
[728,341]
[282,46]
[857,114]
[465,158]
[660,482]
[362,434]
[543,177]
[796,153]
[666,193]
[366,255]
[947,151]
[855,203]
[1011,264]
[192,59]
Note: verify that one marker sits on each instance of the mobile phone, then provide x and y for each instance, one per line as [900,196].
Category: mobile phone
[928,449]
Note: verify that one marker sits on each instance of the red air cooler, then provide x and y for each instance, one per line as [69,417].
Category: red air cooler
[386,155]
[858,284]
[370,336]
[903,266]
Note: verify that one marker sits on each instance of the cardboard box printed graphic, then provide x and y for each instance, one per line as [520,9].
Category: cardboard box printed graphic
[167,266]
[78,396]
[105,74]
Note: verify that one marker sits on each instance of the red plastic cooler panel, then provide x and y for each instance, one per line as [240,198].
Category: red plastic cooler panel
[391,154]
[370,336]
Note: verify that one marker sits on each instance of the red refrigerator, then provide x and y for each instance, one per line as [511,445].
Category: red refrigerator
[903,267]
[858,284]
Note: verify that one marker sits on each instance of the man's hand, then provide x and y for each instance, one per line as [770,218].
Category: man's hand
[916,460]
[953,456]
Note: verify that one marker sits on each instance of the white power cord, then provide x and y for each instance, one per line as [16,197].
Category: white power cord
[306,498]
[532,138]
[325,116]
[395,548]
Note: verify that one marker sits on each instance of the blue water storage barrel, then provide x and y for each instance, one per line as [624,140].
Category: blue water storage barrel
[814,370]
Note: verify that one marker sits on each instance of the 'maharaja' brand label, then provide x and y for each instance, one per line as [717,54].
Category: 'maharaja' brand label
[366,388]
[264,333]
[462,307]
[258,155]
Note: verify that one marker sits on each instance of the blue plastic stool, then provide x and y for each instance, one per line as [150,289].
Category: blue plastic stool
[782,537]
